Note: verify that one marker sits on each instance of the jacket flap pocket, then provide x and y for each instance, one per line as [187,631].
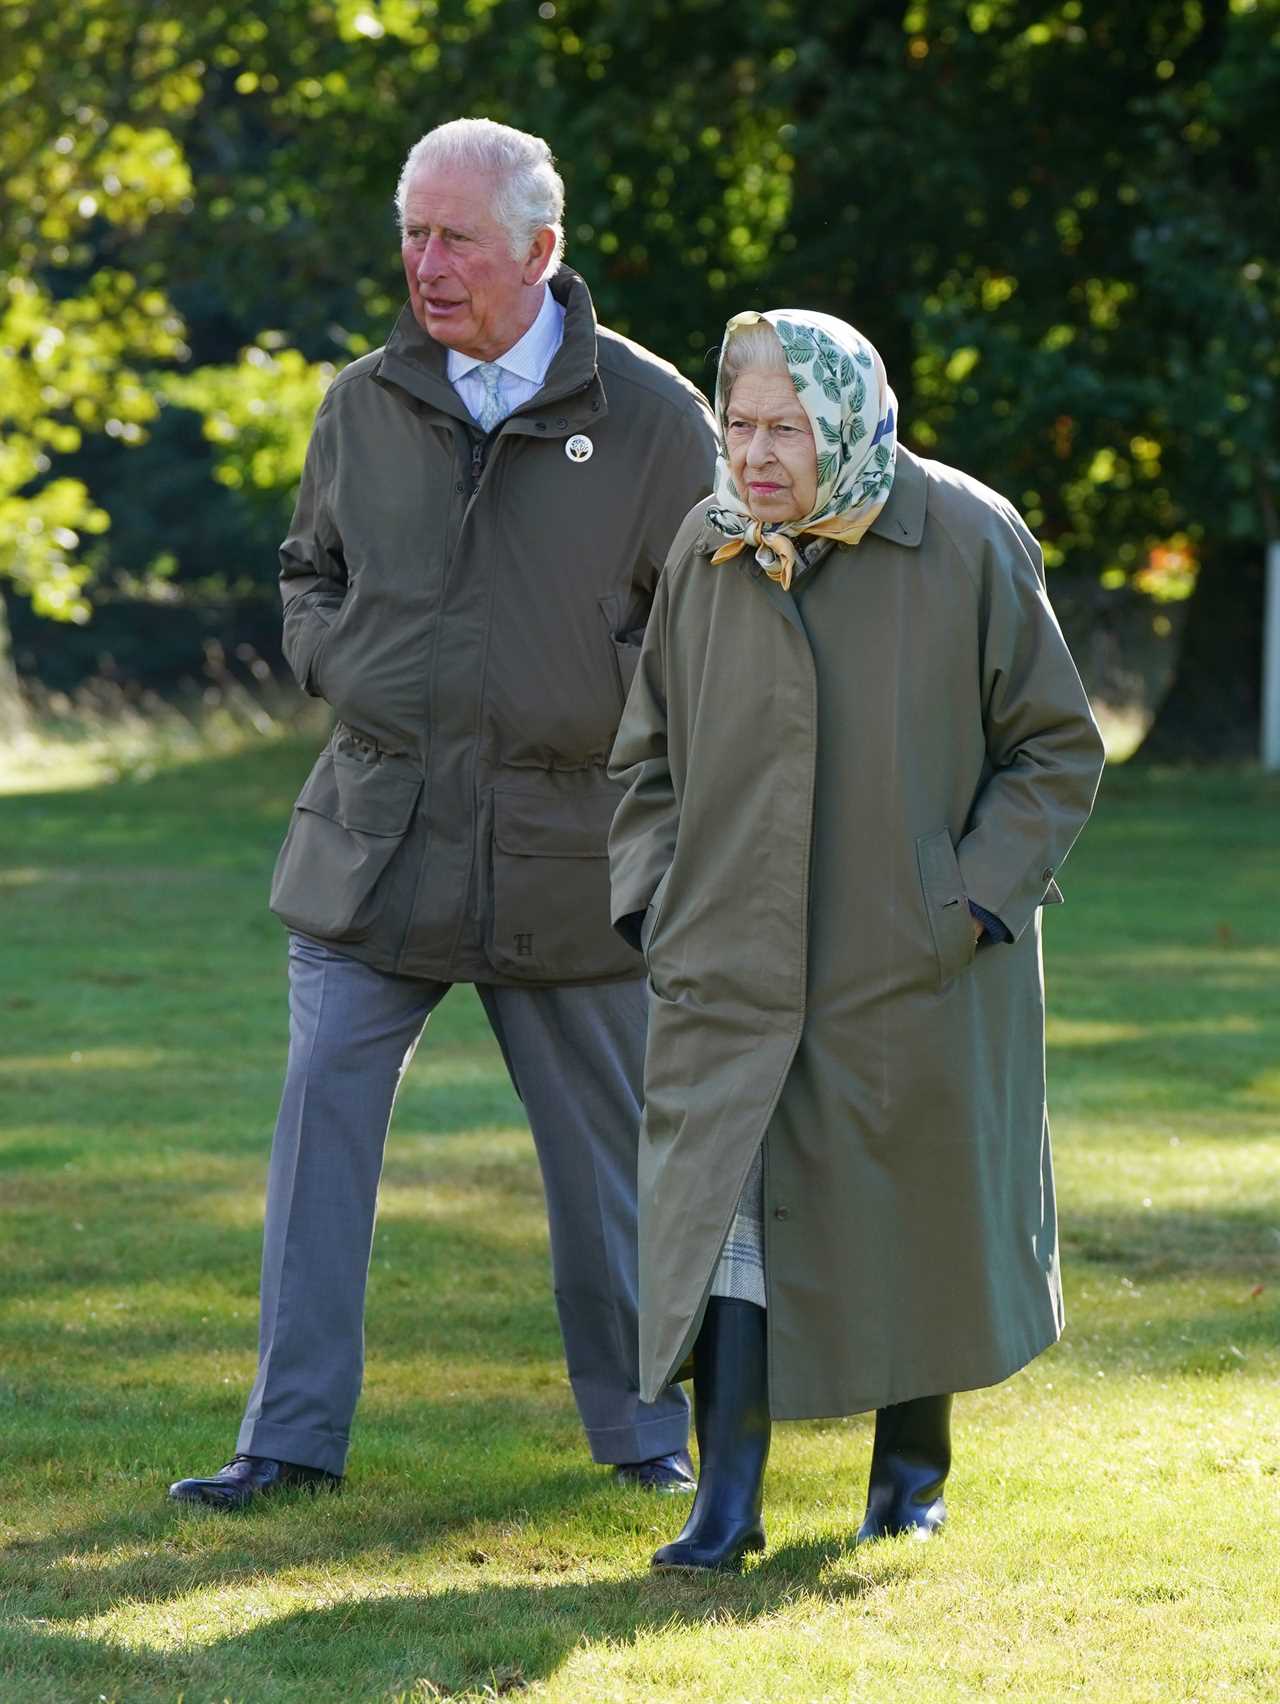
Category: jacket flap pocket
[368,797]
[946,903]
[530,825]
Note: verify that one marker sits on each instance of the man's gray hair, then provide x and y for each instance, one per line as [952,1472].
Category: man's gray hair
[528,190]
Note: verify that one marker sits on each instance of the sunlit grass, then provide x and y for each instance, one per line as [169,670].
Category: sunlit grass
[1113,1507]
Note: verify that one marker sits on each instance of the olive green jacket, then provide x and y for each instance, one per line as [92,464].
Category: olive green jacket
[818,782]
[472,611]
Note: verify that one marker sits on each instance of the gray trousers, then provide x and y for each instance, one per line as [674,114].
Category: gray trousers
[575,1055]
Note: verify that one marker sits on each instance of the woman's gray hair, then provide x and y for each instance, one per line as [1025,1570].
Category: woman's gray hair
[528,190]
[748,349]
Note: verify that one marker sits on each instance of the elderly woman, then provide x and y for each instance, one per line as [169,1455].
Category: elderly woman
[855,753]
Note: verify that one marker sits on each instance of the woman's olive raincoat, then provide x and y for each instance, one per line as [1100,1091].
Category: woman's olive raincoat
[818,783]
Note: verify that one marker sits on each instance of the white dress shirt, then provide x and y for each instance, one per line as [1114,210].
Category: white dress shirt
[524,366]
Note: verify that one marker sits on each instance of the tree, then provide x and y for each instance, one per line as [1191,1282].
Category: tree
[1054,219]
[71,338]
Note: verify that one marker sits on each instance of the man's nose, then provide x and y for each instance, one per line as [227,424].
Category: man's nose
[431,262]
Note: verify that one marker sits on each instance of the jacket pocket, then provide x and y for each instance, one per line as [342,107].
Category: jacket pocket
[349,821]
[626,646]
[308,623]
[548,916]
[947,905]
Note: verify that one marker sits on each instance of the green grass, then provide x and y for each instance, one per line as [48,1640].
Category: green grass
[1114,1508]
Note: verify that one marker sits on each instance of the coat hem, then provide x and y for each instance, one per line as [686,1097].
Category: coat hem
[950,1386]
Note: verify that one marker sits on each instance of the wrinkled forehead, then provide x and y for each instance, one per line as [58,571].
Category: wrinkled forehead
[459,196]
[765,393]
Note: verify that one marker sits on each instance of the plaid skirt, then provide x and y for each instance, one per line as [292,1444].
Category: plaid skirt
[740,1274]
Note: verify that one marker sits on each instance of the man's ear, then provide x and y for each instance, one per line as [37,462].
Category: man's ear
[541,250]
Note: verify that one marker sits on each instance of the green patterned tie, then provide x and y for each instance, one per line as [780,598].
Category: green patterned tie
[491,409]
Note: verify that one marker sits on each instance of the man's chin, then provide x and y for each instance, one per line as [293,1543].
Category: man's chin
[447,328]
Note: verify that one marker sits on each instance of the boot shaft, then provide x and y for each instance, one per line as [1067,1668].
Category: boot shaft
[733,1427]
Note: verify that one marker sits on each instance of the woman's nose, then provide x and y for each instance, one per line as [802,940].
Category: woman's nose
[760,449]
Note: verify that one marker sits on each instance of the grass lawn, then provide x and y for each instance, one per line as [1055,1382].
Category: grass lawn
[1115,1509]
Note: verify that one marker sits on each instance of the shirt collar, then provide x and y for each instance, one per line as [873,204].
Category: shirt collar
[531,356]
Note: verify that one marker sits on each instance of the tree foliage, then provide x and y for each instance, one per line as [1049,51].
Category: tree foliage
[1056,219]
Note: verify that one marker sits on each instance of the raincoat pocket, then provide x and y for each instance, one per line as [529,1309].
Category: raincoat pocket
[549,888]
[649,928]
[349,821]
[947,905]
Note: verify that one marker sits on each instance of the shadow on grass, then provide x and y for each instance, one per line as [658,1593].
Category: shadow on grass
[171,1550]
[211,812]
[121,1096]
[1169,1270]
[1176,1242]
[189,1236]
[466,1642]
[1211,1063]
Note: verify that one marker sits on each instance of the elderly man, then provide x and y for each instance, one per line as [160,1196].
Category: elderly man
[486,505]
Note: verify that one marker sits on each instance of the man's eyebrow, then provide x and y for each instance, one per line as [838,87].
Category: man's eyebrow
[424,223]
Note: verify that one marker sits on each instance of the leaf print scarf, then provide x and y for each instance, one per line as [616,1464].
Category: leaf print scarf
[841,383]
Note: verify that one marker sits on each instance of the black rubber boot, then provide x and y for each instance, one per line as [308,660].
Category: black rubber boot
[731,1419]
[909,1463]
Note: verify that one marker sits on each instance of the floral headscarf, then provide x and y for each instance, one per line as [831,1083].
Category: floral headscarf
[840,381]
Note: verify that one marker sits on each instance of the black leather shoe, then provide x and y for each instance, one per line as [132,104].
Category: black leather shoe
[670,1474]
[731,1416]
[248,1476]
[909,1464]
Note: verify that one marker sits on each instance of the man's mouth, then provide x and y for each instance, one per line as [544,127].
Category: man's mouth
[440,304]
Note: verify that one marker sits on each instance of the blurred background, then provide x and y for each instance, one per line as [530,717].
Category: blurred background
[1057,221]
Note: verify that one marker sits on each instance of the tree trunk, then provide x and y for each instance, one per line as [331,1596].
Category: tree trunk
[14,719]
[1213,708]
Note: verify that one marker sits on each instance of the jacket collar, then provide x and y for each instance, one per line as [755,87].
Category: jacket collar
[572,396]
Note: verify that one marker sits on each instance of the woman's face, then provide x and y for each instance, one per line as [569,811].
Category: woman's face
[770,444]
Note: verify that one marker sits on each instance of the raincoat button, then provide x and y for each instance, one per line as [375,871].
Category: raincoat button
[782,1212]
[542,425]
[1047,875]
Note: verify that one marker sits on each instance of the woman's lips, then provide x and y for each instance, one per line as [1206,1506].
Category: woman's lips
[764,490]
